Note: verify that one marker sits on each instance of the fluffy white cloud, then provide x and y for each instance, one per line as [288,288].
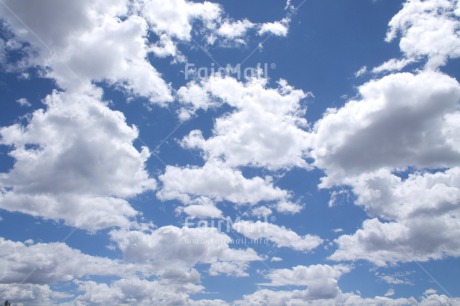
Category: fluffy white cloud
[23,102]
[30,294]
[281,236]
[288,208]
[317,275]
[261,211]
[400,121]
[234,29]
[278,28]
[393,65]
[303,298]
[419,239]
[175,18]
[87,41]
[424,211]
[183,248]
[427,28]
[322,289]
[175,21]
[48,263]
[265,130]
[203,211]
[431,298]
[138,292]
[217,182]
[114,52]
[74,161]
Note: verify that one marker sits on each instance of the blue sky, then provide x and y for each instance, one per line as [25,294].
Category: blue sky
[132,173]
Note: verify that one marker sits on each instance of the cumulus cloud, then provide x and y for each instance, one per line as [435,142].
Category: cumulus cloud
[321,282]
[234,29]
[302,297]
[48,263]
[175,18]
[281,236]
[74,161]
[203,211]
[397,123]
[87,41]
[139,292]
[183,248]
[265,130]
[31,294]
[261,211]
[217,182]
[306,276]
[427,29]
[278,28]
[402,122]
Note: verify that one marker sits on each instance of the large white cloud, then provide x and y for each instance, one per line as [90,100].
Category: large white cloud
[139,292]
[400,121]
[321,282]
[183,248]
[74,161]
[87,41]
[217,182]
[281,236]
[424,209]
[302,298]
[49,263]
[29,270]
[265,130]
[427,29]
[30,294]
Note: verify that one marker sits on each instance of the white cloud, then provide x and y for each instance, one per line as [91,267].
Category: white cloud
[183,248]
[392,65]
[427,28]
[436,299]
[261,211]
[401,122]
[281,236]
[265,130]
[423,209]
[30,294]
[203,211]
[390,292]
[322,289]
[114,52]
[48,263]
[23,102]
[175,18]
[235,29]
[87,41]
[138,292]
[383,243]
[75,161]
[304,298]
[311,276]
[278,28]
[217,182]
[398,122]
[361,71]
[396,279]
[288,208]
